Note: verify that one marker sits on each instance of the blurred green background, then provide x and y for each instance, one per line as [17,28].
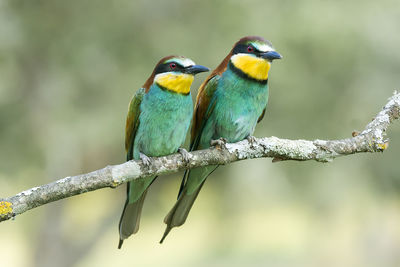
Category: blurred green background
[69,68]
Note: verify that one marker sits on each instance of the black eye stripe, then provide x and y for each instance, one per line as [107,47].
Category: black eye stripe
[242,48]
[165,67]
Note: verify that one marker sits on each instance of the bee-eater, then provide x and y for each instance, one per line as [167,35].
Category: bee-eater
[158,119]
[229,104]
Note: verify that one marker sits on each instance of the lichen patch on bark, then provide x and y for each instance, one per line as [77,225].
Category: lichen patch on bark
[6,210]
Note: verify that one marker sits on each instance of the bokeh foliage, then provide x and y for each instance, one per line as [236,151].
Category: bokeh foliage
[69,68]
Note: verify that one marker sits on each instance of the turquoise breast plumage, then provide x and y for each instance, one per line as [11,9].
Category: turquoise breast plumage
[164,121]
[236,111]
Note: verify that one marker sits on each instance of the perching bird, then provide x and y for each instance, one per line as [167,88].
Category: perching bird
[229,104]
[158,119]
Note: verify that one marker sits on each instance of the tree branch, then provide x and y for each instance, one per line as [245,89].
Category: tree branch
[372,139]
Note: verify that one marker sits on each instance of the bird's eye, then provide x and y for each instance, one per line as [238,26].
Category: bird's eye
[250,49]
[172,66]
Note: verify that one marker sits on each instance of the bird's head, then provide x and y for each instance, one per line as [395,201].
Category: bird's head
[175,73]
[253,56]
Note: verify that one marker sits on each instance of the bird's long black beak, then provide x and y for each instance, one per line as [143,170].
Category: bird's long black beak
[271,55]
[196,69]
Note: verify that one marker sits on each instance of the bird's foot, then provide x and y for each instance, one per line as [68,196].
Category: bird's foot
[185,154]
[251,140]
[219,143]
[145,159]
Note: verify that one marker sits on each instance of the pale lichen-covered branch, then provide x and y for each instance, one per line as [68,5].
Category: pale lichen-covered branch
[371,139]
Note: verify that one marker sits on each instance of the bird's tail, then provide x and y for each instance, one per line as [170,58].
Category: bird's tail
[130,218]
[193,181]
[179,213]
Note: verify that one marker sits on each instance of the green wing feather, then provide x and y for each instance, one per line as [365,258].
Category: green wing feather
[262,115]
[130,218]
[132,122]
[202,111]
[204,107]
[205,104]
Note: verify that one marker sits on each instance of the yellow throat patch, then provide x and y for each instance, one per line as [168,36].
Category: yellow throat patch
[177,82]
[255,67]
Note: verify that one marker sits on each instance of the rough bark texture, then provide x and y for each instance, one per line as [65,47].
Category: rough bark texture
[372,139]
